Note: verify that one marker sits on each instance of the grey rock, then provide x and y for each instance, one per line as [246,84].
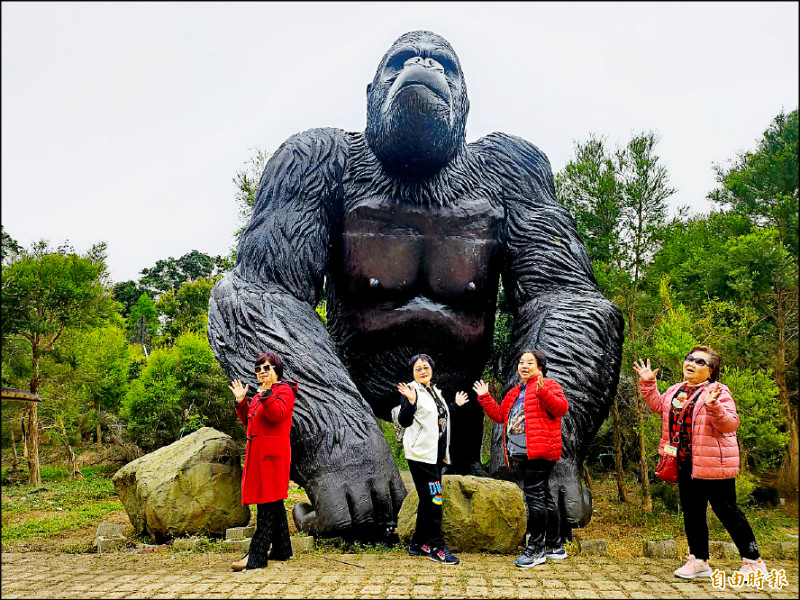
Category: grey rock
[187,544]
[104,544]
[662,549]
[242,545]
[191,487]
[596,547]
[302,544]
[109,530]
[238,533]
[478,514]
[719,549]
[783,549]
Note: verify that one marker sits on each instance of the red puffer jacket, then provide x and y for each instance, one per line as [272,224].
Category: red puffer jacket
[543,411]
[715,452]
[268,419]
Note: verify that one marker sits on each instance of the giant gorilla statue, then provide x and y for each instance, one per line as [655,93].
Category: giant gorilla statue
[410,228]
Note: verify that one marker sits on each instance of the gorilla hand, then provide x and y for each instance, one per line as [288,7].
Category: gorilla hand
[573,500]
[352,482]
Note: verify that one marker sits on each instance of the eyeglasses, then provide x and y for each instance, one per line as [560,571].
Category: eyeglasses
[263,368]
[700,362]
[422,369]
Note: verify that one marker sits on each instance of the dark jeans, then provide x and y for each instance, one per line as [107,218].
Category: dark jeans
[543,517]
[272,529]
[428,482]
[695,496]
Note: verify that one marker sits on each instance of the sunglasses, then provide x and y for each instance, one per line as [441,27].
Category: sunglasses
[263,368]
[700,362]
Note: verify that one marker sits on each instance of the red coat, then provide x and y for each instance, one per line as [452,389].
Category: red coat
[543,411]
[268,419]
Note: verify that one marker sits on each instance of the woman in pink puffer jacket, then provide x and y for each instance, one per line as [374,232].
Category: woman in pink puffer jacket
[708,456]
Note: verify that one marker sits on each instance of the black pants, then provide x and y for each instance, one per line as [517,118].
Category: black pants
[428,482]
[272,529]
[695,496]
[543,518]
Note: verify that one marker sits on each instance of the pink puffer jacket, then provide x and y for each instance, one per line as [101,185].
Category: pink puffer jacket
[715,452]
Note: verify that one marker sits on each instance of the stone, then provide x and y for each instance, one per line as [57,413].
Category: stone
[661,549]
[187,544]
[242,545]
[594,547]
[191,487]
[479,515]
[302,544]
[783,549]
[237,533]
[719,549]
[104,544]
[109,530]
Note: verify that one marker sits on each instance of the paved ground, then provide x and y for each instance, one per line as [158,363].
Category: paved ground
[187,575]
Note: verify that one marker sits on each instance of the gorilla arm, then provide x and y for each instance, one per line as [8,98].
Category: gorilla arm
[557,306]
[339,454]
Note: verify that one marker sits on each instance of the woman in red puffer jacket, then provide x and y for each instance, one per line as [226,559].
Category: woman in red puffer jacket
[268,456]
[531,416]
[698,425]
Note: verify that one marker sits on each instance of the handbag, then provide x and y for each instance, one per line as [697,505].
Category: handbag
[667,468]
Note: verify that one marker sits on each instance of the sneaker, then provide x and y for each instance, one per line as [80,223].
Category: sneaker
[693,568]
[557,552]
[530,558]
[444,556]
[419,550]
[752,566]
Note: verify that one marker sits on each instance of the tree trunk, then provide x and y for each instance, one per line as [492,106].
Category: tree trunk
[622,493]
[13,447]
[76,472]
[99,430]
[788,473]
[647,499]
[34,472]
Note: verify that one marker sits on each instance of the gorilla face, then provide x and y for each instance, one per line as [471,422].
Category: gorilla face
[417,105]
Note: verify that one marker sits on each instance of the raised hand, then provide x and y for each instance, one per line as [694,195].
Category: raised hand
[407,391]
[461,398]
[239,391]
[481,387]
[712,397]
[644,371]
[539,382]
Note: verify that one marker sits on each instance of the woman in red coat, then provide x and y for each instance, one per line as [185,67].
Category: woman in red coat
[531,416]
[265,480]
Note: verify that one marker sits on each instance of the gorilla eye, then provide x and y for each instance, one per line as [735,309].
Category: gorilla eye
[398,59]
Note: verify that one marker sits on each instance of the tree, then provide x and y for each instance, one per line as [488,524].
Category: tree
[43,294]
[171,273]
[763,185]
[10,248]
[127,293]
[143,322]
[247,181]
[185,309]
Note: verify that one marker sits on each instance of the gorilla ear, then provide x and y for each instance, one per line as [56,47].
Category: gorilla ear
[369,87]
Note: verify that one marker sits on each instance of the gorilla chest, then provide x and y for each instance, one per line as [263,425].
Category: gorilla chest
[445,253]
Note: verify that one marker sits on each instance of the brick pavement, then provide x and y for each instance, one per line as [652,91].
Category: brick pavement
[387,575]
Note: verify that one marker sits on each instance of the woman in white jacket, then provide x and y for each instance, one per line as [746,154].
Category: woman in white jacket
[426,442]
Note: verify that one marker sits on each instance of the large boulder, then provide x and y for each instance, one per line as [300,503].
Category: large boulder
[191,487]
[479,515]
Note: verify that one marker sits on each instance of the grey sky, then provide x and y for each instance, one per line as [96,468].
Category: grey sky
[126,122]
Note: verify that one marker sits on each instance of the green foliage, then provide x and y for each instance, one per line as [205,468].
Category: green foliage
[171,273]
[762,186]
[760,437]
[143,321]
[396,447]
[180,388]
[127,293]
[247,181]
[185,309]
[10,248]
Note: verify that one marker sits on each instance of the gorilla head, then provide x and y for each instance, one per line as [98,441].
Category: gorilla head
[417,106]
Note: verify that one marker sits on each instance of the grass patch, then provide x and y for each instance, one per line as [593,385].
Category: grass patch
[46,526]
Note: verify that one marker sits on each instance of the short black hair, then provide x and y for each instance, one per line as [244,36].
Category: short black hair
[424,357]
[541,358]
[272,359]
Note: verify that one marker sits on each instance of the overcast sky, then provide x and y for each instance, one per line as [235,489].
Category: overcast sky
[126,122]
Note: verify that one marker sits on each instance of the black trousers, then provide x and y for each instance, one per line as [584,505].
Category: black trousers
[695,495]
[544,524]
[272,529]
[428,483]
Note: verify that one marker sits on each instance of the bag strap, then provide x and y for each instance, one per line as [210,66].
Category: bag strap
[677,442]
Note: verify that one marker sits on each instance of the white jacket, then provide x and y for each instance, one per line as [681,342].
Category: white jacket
[421,438]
